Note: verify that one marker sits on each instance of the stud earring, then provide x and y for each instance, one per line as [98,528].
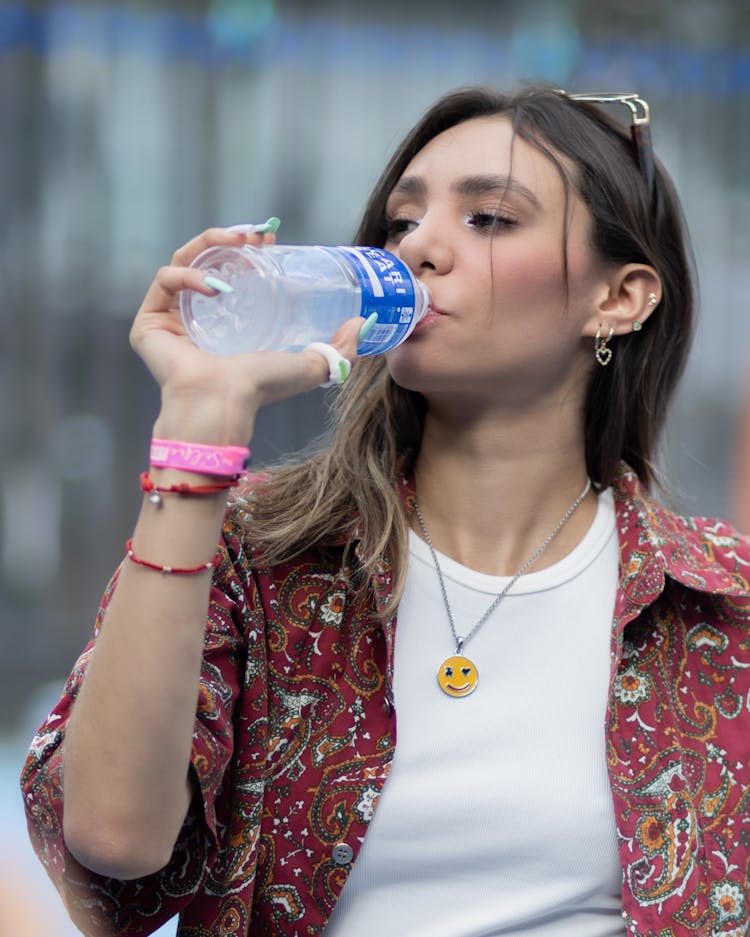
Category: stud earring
[602,351]
[652,297]
[637,326]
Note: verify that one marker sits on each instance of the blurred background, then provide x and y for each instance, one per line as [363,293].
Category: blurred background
[127,127]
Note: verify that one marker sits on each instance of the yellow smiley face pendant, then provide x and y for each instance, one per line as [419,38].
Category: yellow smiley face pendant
[457,676]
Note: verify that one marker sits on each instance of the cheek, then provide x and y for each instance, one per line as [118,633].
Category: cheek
[530,276]
[535,283]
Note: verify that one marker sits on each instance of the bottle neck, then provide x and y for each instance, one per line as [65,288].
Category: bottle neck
[422,300]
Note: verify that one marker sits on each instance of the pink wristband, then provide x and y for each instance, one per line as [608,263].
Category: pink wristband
[225,461]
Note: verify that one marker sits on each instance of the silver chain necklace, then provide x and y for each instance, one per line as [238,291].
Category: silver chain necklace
[457,675]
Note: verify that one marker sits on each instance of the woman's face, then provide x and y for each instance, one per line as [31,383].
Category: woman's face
[479,217]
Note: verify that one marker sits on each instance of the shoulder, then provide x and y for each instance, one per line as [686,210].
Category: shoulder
[251,517]
[705,553]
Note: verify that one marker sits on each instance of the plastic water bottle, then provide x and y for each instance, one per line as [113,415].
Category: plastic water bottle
[286,296]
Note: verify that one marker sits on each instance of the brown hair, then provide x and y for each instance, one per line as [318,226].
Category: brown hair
[377,425]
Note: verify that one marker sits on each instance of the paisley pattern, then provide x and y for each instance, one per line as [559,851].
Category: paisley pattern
[295,733]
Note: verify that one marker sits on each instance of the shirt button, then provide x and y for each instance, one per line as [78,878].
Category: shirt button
[342,853]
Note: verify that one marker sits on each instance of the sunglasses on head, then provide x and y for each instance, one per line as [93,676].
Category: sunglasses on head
[640,127]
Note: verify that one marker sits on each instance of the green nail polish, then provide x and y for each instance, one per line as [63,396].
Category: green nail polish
[269,227]
[219,285]
[368,326]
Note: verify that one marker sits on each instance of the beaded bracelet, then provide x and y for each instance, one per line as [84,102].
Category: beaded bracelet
[225,461]
[156,491]
[171,570]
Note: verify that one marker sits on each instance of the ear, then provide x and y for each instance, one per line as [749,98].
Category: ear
[629,296]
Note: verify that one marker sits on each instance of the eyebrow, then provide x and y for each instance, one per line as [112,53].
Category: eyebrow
[470,185]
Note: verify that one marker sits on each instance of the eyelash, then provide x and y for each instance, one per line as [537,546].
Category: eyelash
[396,227]
[482,221]
[491,220]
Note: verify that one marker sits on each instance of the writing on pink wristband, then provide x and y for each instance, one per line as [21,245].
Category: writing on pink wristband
[225,461]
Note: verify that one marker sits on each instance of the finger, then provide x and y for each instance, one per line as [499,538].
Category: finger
[168,283]
[211,237]
[319,367]
[235,236]
[174,279]
[347,337]
[339,367]
[260,238]
[268,227]
[282,374]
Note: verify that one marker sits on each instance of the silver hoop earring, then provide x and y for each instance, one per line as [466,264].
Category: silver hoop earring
[602,351]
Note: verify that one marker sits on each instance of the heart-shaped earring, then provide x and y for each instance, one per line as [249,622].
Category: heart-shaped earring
[602,351]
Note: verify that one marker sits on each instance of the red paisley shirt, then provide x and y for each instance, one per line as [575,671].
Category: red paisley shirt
[295,732]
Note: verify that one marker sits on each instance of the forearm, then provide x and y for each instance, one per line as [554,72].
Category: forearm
[128,743]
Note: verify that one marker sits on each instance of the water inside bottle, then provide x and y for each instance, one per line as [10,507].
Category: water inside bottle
[316,309]
[230,323]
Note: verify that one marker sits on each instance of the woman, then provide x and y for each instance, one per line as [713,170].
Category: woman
[570,665]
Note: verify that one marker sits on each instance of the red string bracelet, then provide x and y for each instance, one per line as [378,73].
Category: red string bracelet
[171,570]
[182,488]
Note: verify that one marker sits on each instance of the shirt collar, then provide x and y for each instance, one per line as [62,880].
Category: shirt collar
[700,553]
[704,554]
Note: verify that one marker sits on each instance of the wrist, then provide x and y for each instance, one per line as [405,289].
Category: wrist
[205,423]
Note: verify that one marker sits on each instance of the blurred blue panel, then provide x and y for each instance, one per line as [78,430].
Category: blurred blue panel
[738,68]
[238,29]
[544,55]
[69,25]
[690,69]
[250,34]
[162,35]
[718,76]
[19,27]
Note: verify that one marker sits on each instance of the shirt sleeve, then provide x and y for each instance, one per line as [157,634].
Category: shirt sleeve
[103,906]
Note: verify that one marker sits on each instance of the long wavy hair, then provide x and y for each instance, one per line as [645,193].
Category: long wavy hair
[376,426]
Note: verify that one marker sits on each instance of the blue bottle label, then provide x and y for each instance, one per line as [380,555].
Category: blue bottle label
[388,289]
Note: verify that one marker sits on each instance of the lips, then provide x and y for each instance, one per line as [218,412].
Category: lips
[432,316]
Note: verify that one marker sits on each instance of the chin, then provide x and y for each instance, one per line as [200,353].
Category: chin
[418,373]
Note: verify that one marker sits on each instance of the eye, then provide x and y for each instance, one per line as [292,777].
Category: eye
[448,671]
[396,228]
[466,671]
[490,220]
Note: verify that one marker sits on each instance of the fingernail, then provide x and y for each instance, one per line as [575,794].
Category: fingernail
[345,369]
[368,326]
[268,227]
[219,285]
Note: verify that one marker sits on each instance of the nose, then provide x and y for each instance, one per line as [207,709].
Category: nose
[427,247]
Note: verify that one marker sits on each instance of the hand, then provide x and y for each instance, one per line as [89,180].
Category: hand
[210,398]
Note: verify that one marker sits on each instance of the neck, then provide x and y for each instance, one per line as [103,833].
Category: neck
[491,488]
